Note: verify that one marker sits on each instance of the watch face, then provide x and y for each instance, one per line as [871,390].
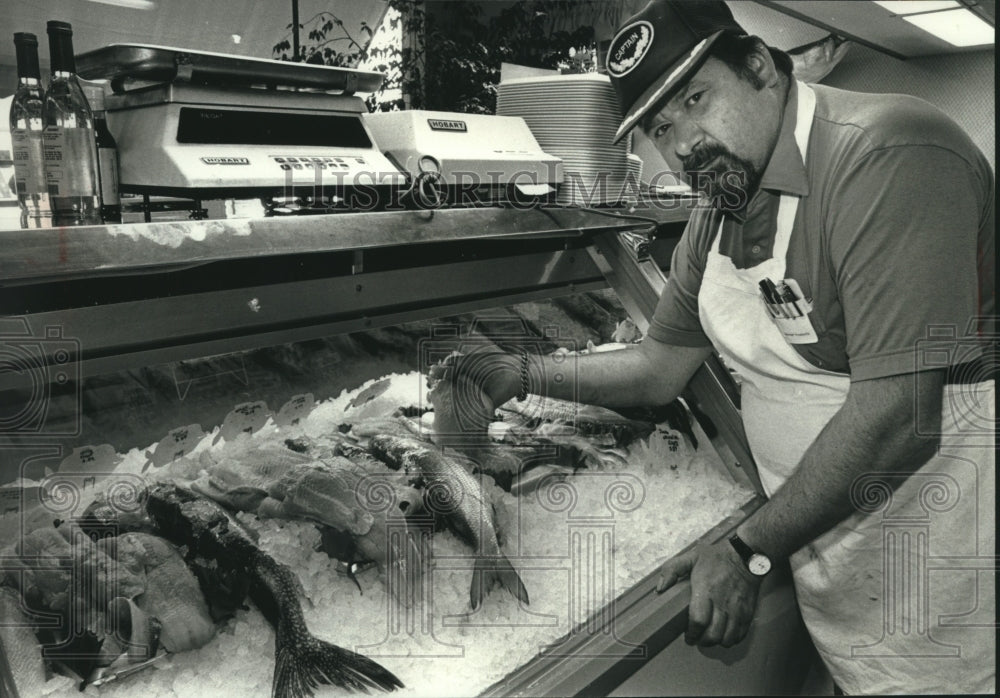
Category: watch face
[759,564]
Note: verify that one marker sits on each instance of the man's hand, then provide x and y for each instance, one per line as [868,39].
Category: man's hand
[723,593]
[466,390]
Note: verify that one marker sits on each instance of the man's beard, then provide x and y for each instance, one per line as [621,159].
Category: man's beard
[728,180]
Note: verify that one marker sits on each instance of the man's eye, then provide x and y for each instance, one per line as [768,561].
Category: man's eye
[693,99]
[661,130]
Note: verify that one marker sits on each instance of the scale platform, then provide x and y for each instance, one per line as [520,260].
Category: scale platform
[122,63]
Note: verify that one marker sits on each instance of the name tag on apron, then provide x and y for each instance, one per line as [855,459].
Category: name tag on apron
[789,310]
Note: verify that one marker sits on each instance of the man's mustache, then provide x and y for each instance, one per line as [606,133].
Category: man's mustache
[704,156]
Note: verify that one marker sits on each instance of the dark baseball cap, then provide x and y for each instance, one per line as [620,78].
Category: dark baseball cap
[658,48]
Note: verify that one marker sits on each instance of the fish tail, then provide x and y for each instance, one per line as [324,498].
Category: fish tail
[302,666]
[490,570]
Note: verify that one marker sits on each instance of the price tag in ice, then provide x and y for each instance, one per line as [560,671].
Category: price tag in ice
[90,459]
[89,462]
[13,493]
[292,412]
[176,444]
[669,443]
[245,418]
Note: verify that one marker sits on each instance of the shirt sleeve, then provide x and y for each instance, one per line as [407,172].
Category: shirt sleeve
[903,228]
[676,320]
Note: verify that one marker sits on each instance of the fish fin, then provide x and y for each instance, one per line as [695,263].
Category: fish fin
[501,534]
[303,665]
[488,571]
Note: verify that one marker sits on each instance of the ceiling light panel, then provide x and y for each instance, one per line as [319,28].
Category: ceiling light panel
[906,7]
[958,27]
[131,4]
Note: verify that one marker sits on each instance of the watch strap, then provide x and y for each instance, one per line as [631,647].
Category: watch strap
[742,549]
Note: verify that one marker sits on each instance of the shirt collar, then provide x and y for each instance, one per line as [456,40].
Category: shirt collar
[786,171]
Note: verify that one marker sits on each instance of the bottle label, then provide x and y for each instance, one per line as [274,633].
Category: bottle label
[107,158]
[70,161]
[29,162]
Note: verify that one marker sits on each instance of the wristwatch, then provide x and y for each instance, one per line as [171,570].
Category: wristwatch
[759,564]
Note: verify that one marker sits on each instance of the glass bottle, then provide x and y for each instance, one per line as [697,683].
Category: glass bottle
[107,155]
[70,145]
[26,132]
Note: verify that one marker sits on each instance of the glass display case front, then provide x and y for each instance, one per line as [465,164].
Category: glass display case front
[592,507]
[129,447]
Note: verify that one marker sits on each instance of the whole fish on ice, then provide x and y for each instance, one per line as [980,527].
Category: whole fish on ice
[603,426]
[171,593]
[243,478]
[64,575]
[62,569]
[456,493]
[302,661]
[284,484]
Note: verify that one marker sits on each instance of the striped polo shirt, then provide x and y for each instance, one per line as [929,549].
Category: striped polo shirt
[893,240]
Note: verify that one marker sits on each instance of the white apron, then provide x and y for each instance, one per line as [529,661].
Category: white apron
[899,597]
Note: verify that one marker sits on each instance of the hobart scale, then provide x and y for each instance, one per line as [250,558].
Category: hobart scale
[457,159]
[206,126]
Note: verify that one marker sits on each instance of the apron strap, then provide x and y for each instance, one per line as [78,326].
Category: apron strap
[718,236]
[788,204]
[804,117]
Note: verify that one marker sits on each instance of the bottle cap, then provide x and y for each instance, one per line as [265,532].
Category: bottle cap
[26,47]
[61,56]
[54,26]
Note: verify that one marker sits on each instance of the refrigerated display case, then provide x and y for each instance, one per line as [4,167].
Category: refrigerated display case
[136,347]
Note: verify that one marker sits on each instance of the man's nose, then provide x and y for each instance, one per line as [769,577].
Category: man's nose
[687,137]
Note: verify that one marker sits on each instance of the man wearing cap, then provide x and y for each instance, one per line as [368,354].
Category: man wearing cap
[842,265]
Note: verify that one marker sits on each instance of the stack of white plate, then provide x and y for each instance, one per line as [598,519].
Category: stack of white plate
[574,117]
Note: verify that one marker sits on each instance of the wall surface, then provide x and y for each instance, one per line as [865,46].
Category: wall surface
[961,84]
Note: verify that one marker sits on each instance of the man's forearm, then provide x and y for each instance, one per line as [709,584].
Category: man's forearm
[649,373]
[873,432]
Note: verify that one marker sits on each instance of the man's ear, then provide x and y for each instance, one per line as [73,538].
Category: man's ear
[762,64]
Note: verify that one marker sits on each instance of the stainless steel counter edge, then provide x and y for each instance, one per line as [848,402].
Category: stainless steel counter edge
[62,253]
[604,651]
